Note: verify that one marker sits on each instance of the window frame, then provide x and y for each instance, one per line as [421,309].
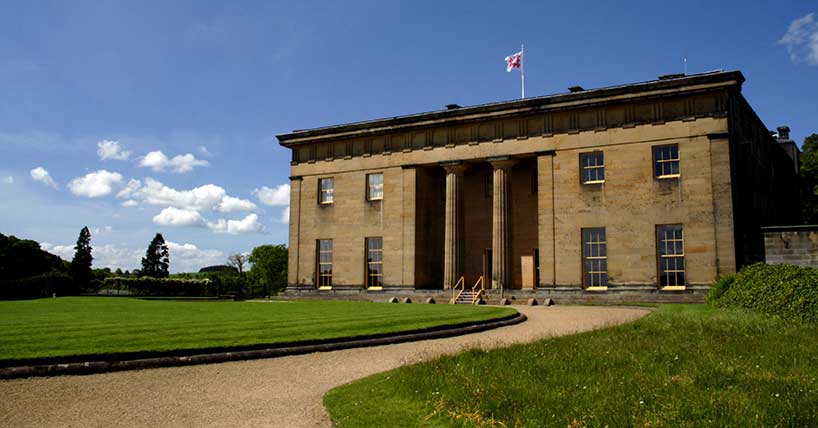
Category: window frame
[368,275]
[602,274]
[321,191]
[655,150]
[675,256]
[320,283]
[369,187]
[590,168]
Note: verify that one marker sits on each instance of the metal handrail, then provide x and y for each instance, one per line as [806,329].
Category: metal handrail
[476,295]
[456,294]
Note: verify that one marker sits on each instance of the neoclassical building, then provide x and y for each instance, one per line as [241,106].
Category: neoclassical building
[649,189]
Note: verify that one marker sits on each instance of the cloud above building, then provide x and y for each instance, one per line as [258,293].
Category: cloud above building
[41,175]
[95,184]
[108,149]
[180,164]
[801,40]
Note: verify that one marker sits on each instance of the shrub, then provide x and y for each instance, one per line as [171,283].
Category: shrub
[785,291]
[719,287]
[39,286]
[148,286]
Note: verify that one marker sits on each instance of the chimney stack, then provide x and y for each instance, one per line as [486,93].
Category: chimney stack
[783,133]
[789,146]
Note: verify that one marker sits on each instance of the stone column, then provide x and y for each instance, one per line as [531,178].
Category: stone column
[453,239]
[500,251]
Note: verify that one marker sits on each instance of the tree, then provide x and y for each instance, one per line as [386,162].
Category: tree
[238,260]
[81,263]
[156,261]
[269,266]
[809,180]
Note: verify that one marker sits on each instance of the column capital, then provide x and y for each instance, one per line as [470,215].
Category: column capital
[454,167]
[503,162]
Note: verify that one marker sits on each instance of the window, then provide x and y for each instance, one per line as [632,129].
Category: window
[666,161]
[324,263]
[326,188]
[592,167]
[374,262]
[671,255]
[374,187]
[594,257]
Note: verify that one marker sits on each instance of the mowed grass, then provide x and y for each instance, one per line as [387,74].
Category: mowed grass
[682,366]
[73,326]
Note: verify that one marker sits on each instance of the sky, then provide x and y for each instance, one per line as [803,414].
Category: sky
[133,118]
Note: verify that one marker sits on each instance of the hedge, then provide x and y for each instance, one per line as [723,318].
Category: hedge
[785,291]
[35,287]
[147,286]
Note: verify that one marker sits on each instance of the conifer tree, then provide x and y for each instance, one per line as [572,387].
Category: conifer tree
[81,264]
[156,261]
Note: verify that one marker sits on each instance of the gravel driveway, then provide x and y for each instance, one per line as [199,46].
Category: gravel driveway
[278,392]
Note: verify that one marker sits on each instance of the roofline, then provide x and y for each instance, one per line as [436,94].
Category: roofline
[534,104]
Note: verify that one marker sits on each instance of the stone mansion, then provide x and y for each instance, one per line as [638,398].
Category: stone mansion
[648,190]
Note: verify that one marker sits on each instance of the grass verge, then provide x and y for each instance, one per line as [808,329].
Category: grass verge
[682,366]
[72,326]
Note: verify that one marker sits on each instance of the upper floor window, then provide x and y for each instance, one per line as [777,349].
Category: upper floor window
[666,161]
[374,187]
[670,250]
[592,167]
[326,188]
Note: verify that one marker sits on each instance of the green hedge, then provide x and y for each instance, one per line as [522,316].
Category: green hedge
[785,291]
[35,287]
[147,286]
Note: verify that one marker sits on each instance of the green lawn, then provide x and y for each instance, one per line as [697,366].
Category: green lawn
[682,366]
[72,326]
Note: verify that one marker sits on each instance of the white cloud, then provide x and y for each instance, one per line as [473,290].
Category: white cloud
[278,196]
[101,230]
[204,152]
[171,216]
[41,174]
[234,227]
[130,203]
[66,252]
[190,258]
[207,197]
[183,257]
[8,180]
[285,216]
[108,149]
[801,40]
[158,161]
[95,184]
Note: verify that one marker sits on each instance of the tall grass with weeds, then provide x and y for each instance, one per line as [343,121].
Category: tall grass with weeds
[682,366]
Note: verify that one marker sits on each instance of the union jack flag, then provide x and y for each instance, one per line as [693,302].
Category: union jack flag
[514,61]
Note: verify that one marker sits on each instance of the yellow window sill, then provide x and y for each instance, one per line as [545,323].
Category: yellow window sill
[325,288]
[375,288]
[674,288]
[596,289]
[665,177]
[594,182]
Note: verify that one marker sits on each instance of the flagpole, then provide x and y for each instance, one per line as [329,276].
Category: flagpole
[522,67]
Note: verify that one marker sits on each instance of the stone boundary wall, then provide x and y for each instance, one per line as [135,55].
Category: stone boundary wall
[795,245]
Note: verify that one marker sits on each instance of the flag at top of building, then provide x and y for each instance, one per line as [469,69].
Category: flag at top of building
[516,61]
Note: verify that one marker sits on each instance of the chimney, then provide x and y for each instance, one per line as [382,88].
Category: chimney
[783,134]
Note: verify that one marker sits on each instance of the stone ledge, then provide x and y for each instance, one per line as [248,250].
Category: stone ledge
[52,367]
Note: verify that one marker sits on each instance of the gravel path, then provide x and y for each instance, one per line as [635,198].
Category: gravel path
[278,392]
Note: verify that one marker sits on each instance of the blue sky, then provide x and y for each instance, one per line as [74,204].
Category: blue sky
[194,93]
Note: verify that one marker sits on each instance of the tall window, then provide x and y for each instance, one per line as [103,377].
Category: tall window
[594,257]
[666,161]
[324,263]
[374,187]
[374,262]
[592,167]
[671,254]
[326,189]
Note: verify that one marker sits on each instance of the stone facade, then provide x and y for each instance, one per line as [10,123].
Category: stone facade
[496,191]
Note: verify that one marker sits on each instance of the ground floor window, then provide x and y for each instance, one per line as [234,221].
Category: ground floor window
[324,263]
[671,255]
[374,262]
[594,257]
